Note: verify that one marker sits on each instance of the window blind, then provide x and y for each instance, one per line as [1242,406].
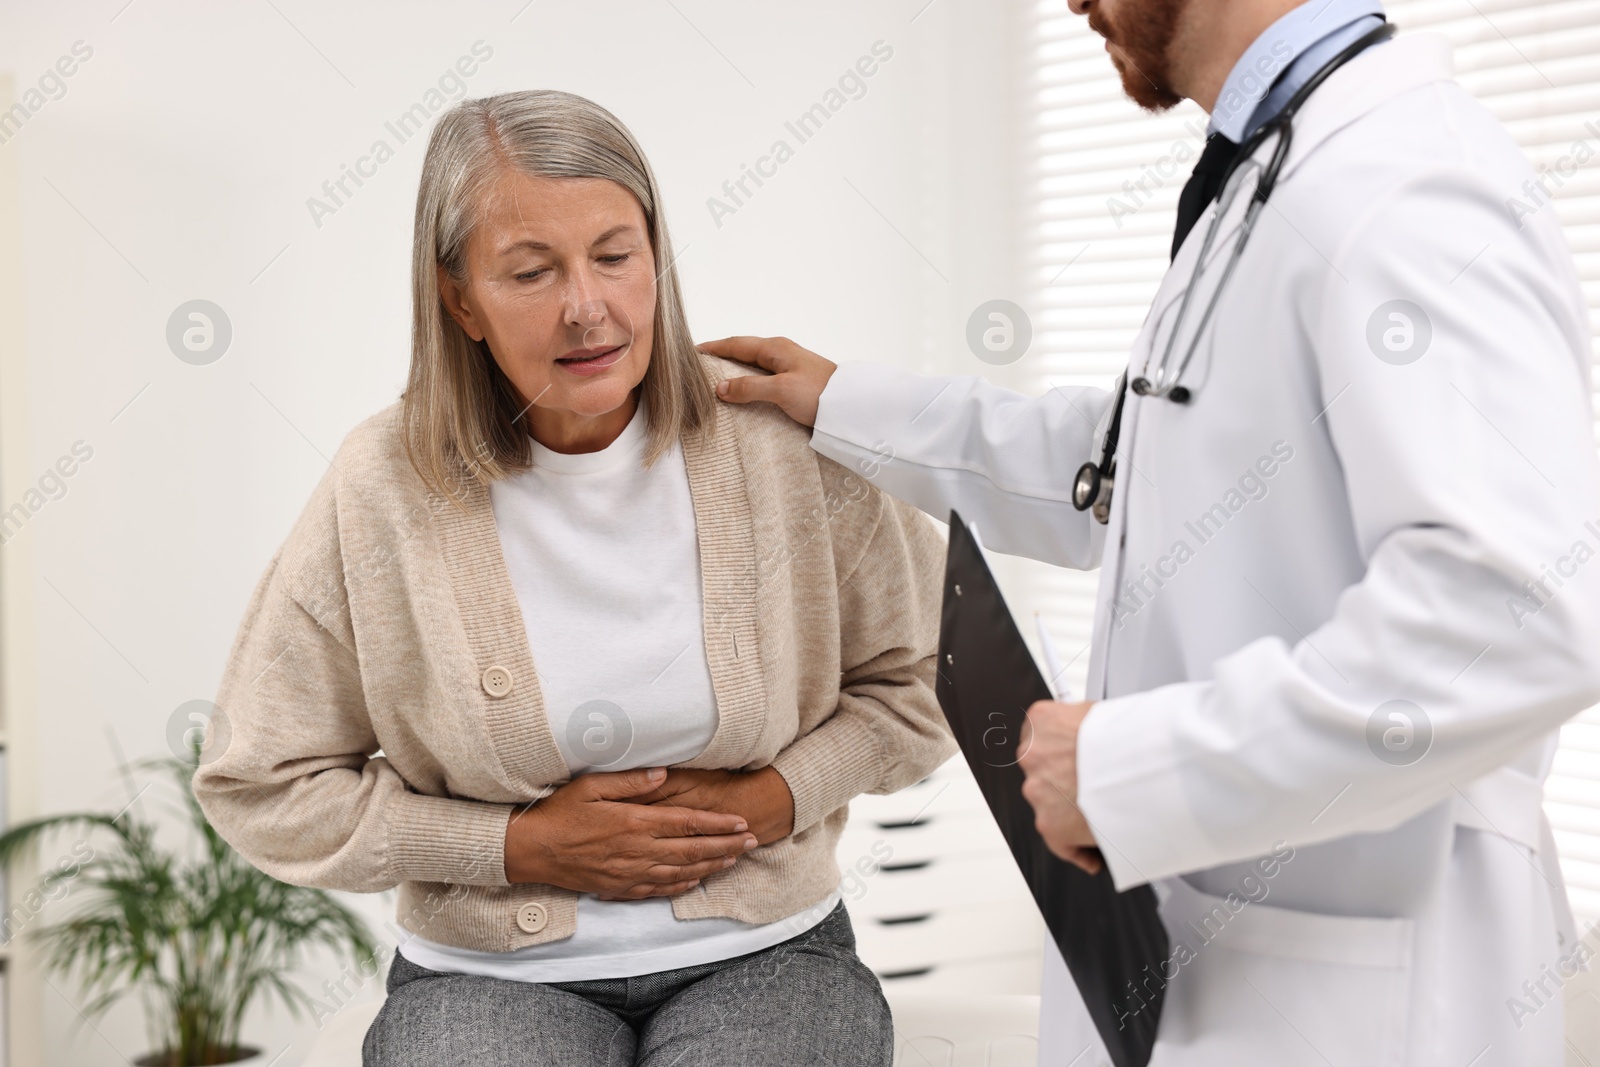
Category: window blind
[1100,187]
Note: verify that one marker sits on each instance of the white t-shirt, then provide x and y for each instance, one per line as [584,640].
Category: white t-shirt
[605,562]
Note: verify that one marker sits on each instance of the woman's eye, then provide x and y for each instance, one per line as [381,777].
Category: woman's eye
[529,275]
[619,258]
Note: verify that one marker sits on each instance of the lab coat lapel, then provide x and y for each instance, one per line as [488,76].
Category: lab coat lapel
[1351,92]
[1158,324]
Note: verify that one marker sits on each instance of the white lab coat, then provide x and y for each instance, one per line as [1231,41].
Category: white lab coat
[1320,532]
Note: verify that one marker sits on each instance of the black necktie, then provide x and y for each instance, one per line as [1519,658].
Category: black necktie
[1203,185]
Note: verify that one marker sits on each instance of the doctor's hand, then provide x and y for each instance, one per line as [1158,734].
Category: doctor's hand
[795,385]
[1050,761]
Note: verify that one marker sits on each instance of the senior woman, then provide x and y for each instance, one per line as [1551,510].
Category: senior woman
[586,663]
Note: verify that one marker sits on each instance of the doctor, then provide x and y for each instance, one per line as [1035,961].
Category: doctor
[1348,585]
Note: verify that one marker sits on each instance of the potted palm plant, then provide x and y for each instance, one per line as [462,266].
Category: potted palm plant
[199,934]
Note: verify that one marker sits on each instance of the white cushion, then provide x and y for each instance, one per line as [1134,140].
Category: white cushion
[955,1030]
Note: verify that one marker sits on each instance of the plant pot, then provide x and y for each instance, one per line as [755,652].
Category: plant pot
[248,1057]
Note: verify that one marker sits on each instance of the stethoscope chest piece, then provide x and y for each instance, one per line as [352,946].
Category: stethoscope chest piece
[1092,489]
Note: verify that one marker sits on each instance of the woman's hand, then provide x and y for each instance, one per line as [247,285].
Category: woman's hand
[588,837]
[761,797]
[795,385]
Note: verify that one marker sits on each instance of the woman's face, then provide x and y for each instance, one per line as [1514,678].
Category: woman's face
[561,282]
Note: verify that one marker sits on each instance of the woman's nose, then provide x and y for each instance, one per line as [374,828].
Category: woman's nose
[583,305]
[1079,7]
[590,317]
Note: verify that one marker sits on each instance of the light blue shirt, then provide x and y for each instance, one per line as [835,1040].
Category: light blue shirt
[1296,46]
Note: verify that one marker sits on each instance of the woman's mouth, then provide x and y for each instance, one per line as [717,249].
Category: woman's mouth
[584,361]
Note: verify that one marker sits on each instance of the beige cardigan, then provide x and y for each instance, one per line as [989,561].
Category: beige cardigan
[387,621]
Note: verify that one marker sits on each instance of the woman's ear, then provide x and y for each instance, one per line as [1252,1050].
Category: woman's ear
[457,306]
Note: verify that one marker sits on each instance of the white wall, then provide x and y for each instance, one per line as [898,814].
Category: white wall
[177,165]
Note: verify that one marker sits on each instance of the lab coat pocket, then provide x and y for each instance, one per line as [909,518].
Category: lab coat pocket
[1250,983]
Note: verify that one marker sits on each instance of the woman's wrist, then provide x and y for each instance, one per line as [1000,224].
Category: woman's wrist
[767,804]
[524,858]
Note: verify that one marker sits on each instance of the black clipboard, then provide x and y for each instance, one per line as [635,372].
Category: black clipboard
[1114,943]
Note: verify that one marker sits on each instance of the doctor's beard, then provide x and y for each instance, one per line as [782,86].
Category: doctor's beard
[1141,47]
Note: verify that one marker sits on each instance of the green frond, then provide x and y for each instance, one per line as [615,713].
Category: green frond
[16,840]
[199,936]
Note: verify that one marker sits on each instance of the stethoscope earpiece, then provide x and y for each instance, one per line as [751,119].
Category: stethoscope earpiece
[1178,394]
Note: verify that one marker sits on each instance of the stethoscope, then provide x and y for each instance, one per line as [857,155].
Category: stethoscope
[1093,485]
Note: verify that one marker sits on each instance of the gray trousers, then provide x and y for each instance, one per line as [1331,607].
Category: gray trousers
[807,1001]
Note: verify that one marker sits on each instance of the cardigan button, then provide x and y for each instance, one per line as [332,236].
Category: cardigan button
[496,681]
[531,918]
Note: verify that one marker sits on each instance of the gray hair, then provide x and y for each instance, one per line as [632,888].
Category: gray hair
[461,413]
